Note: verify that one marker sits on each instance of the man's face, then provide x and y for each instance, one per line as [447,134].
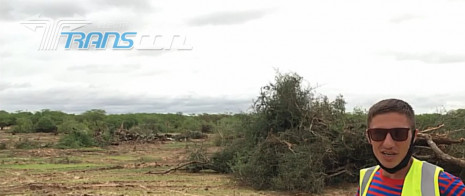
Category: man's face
[390,152]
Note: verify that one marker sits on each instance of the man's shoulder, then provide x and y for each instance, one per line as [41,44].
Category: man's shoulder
[450,184]
[446,176]
[370,168]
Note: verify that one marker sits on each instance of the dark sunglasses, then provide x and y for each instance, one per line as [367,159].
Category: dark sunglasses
[397,134]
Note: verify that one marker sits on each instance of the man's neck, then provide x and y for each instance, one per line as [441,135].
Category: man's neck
[399,174]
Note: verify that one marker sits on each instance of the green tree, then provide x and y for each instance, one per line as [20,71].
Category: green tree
[56,116]
[45,124]
[95,120]
[23,125]
[190,124]
[293,140]
[70,125]
[20,114]
[76,139]
[94,115]
[5,119]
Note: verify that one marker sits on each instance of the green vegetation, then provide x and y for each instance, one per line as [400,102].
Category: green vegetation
[76,139]
[297,140]
[294,139]
[26,144]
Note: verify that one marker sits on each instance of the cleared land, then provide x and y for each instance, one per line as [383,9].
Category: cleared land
[113,170]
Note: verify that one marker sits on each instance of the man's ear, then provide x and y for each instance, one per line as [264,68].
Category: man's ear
[416,135]
[366,136]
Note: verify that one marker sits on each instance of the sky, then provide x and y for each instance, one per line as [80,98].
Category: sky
[226,51]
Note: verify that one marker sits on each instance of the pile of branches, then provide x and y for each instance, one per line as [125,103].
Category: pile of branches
[433,146]
[144,135]
[140,135]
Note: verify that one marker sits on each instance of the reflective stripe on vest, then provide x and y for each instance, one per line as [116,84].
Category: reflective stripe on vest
[365,178]
[421,179]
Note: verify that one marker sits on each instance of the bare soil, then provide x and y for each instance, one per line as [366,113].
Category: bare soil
[114,170]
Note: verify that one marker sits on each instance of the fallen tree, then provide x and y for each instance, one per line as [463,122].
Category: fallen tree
[432,140]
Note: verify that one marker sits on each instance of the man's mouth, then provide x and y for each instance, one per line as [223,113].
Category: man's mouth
[388,153]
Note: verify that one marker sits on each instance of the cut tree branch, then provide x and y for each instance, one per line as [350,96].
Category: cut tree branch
[176,168]
[438,139]
[439,153]
[455,131]
[429,129]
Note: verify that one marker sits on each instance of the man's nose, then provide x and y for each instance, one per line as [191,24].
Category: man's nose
[388,142]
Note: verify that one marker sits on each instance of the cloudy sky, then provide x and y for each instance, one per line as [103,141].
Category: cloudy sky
[364,50]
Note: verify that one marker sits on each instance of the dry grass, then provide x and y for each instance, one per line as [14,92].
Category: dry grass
[115,170]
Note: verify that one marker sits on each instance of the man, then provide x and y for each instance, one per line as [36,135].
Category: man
[391,133]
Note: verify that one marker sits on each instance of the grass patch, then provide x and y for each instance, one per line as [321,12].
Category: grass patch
[5,160]
[65,160]
[122,158]
[3,146]
[149,159]
[177,145]
[26,144]
[59,167]
[91,149]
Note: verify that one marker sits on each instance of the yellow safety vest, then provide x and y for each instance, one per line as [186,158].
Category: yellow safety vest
[421,179]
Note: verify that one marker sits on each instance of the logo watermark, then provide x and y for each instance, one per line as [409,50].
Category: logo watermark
[57,31]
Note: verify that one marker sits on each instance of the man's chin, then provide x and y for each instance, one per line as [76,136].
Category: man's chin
[389,165]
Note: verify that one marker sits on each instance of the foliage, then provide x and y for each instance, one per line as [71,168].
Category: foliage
[26,144]
[70,125]
[23,125]
[294,140]
[226,129]
[190,124]
[3,146]
[76,139]
[45,124]
[5,119]
[194,135]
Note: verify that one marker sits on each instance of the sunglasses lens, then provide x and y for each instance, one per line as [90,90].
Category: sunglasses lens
[399,134]
[377,134]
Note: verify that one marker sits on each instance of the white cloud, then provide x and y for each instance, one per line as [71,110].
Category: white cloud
[362,49]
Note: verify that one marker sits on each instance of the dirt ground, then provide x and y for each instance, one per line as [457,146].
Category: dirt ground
[113,170]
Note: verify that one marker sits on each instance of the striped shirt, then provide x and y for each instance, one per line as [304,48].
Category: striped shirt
[449,185]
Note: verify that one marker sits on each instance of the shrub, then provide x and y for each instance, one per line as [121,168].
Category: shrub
[294,140]
[206,128]
[76,139]
[196,135]
[45,124]
[2,146]
[26,144]
[69,125]
[23,125]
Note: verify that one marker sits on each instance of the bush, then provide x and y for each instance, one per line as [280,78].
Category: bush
[26,144]
[228,129]
[2,146]
[190,123]
[23,125]
[224,160]
[195,135]
[45,124]
[294,140]
[206,128]
[76,139]
[69,125]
